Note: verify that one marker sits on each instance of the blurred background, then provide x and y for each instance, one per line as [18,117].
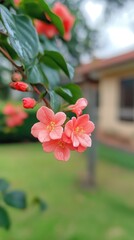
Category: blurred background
[92,195]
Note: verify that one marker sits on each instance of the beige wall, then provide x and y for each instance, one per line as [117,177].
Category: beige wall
[109,107]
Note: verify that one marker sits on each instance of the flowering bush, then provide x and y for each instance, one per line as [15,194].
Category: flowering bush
[27,27]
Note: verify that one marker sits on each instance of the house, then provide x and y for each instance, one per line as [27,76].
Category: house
[114,81]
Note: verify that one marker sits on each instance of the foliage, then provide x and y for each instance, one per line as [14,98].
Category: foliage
[22,39]
[39,63]
[13,198]
[18,134]
[36,67]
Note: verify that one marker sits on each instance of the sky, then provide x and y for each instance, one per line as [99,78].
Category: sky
[116,35]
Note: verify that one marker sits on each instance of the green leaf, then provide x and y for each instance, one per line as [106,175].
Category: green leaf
[69,92]
[4,44]
[41,203]
[52,76]
[47,44]
[35,75]
[55,60]
[16,199]
[22,35]
[55,101]
[3,185]
[37,9]
[4,218]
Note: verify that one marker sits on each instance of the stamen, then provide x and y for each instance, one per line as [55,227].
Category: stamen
[79,130]
[61,144]
[51,126]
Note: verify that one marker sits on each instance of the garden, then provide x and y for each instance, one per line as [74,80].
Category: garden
[57,180]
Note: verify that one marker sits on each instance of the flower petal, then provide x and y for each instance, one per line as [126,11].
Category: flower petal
[81,149]
[85,140]
[56,133]
[45,115]
[89,127]
[75,140]
[49,146]
[36,128]
[43,136]
[82,120]
[70,126]
[59,118]
[62,153]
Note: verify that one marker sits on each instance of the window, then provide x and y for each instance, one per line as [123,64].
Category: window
[127,99]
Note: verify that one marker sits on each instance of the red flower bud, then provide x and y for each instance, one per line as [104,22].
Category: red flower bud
[16,77]
[17,2]
[20,86]
[29,102]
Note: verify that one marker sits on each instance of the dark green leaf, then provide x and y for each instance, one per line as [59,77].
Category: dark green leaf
[35,75]
[16,199]
[55,101]
[51,75]
[47,43]
[37,9]
[4,218]
[3,185]
[4,44]
[41,203]
[56,60]
[22,35]
[69,92]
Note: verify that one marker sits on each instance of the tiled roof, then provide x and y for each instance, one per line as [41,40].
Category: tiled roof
[99,64]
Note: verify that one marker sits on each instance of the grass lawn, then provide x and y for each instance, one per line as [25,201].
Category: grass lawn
[117,156]
[106,213]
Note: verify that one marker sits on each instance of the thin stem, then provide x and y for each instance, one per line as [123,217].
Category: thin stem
[38,92]
[19,68]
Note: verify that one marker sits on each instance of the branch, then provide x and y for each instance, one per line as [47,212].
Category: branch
[19,68]
[38,92]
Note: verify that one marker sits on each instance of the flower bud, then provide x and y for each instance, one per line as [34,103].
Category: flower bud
[20,86]
[29,102]
[17,2]
[16,77]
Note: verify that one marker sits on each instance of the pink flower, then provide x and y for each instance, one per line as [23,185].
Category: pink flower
[44,28]
[79,131]
[78,106]
[29,102]
[9,109]
[14,116]
[20,113]
[20,86]
[60,148]
[66,17]
[49,126]
[14,121]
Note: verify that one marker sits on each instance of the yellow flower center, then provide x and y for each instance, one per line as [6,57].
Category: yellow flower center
[61,144]
[79,131]
[51,126]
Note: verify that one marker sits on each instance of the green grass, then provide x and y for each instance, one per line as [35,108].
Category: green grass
[106,213]
[117,156]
